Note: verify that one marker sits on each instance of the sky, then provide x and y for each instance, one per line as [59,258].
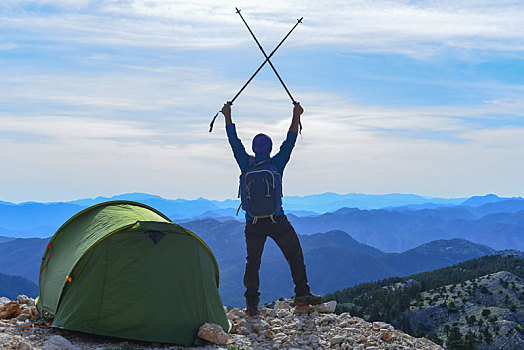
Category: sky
[113,96]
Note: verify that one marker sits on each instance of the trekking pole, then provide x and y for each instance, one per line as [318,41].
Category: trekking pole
[267,58]
[256,72]
[271,64]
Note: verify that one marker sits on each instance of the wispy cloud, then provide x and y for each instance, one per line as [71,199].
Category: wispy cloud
[413,28]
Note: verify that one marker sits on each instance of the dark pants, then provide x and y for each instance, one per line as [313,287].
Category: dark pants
[286,238]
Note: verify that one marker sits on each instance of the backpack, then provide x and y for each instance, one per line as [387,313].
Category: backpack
[260,190]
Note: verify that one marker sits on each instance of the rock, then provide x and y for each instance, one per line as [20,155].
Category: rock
[34,314]
[386,336]
[260,326]
[23,317]
[10,310]
[213,333]
[23,346]
[4,300]
[328,318]
[269,334]
[272,313]
[57,342]
[244,330]
[282,313]
[237,312]
[302,309]
[326,308]
[313,339]
[23,299]
[281,304]
[336,340]
[379,325]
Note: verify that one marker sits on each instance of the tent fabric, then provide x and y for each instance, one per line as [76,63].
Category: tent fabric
[104,273]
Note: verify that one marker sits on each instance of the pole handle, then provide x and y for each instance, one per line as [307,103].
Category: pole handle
[213,122]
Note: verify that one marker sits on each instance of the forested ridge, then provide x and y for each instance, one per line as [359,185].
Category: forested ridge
[375,301]
[397,301]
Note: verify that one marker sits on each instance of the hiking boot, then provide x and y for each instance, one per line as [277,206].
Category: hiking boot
[308,299]
[252,311]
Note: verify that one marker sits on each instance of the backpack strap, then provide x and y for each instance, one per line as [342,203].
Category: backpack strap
[250,164]
[253,164]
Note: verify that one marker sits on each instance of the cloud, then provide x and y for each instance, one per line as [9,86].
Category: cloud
[72,129]
[416,29]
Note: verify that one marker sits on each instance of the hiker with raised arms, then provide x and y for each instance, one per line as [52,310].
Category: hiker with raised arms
[261,196]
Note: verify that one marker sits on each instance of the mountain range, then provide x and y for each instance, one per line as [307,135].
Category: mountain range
[406,234]
[31,219]
[334,259]
[399,230]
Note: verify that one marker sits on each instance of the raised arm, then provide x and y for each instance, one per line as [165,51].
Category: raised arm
[282,157]
[239,151]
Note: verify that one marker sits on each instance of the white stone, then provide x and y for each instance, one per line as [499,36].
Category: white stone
[237,312]
[325,308]
[260,326]
[213,333]
[4,300]
[313,339]
[57,342]
[336,340]
[281,304]
[23,299]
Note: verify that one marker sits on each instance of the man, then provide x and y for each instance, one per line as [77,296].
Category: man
[277,227]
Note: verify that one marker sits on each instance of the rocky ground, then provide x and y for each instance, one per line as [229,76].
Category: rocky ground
[281,327]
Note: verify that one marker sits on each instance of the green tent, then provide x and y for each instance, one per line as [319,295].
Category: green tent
[123,269]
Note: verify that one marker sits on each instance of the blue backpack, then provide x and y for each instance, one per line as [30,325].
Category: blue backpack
[260,190]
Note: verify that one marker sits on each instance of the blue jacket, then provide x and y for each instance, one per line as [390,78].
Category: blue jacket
[279,160]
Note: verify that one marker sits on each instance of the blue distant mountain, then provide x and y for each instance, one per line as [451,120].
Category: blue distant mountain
[31,219]
[477,201]
[327,202]
[12,286]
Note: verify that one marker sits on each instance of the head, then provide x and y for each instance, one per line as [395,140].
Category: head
[262,144]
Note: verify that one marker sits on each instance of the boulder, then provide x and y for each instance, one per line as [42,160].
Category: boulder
[57,342]
[213,333]
[10,310]
[326,308]
[23,299]
[281,304]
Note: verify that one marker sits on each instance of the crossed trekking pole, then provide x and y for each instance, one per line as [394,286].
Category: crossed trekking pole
[262,65]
